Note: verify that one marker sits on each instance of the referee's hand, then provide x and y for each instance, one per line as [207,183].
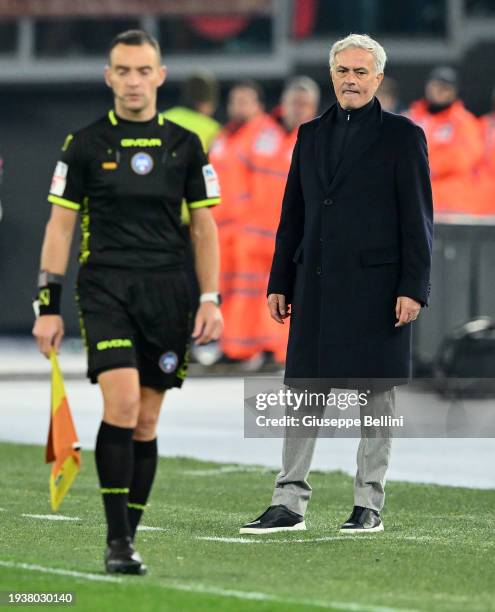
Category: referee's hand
[208,324]
[48,331]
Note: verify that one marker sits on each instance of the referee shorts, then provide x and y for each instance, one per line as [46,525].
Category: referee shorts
[136,318]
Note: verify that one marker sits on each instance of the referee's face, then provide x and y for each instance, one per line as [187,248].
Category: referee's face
[134,73]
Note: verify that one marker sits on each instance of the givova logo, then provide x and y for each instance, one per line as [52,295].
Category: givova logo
[141,142]
[114,343]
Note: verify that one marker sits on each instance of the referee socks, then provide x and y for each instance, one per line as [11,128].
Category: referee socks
[114,463]
[145,462]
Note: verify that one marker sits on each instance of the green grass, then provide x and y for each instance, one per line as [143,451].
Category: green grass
[437,552]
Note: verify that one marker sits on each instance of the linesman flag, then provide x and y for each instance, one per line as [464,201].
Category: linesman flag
[62,447]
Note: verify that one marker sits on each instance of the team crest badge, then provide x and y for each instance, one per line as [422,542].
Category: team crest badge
[168,362]
[142,163]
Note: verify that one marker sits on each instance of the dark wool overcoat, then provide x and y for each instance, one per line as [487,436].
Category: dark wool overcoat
[349,244]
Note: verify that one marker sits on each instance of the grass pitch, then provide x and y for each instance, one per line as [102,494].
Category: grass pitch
[437,551]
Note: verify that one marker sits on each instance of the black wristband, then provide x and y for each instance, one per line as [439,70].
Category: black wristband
[49,298]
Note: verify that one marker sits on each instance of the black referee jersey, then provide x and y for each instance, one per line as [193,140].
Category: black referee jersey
[128,180]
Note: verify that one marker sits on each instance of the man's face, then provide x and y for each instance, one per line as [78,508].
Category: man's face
[354,77]
[298,106]
[439,92]
[134,74]
[243,104]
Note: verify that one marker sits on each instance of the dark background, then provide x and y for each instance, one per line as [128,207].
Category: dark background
[34,122]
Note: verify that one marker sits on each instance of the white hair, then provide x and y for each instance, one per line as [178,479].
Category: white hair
[303,83]
[360,41]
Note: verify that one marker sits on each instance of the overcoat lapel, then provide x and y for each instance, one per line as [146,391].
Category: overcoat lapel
[321,145]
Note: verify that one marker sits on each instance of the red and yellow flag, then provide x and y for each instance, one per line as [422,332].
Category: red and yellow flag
[63,447]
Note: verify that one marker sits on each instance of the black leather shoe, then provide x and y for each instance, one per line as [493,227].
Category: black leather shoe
[363,520]
[276,518]
[121,558]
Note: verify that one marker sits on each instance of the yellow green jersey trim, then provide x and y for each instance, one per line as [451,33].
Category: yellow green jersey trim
[63,202]
[84,335]
[182,371]
[84,251]
[203,203]
[112,117]
[68,140]
[114,121]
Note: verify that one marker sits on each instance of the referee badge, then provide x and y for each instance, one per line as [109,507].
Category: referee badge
[142,163]
[168,362]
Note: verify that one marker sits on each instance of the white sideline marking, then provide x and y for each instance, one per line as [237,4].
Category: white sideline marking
[226,469]
[256,596]
[146,528]
[61,517]
[60,572]
[366,537]
[52,517]
[229,540]
[282,541]
[3,510]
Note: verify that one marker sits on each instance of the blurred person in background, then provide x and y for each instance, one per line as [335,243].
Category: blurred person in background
[241,153]
[299,103]
[127,173]
[388,95]
[454,143]
[486,170]
[198,103]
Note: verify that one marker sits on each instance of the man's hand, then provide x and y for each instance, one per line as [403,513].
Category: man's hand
[48,331]
[277,307]
[406,310]
[208,324]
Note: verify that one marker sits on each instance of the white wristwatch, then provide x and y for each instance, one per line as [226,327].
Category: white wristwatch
[211,297]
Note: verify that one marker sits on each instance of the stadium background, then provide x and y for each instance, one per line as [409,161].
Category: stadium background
[52,55]
[51,60]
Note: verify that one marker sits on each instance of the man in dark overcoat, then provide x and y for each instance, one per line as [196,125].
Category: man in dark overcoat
[351,268]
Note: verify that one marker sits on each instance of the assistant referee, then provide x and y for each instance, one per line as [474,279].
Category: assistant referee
[127,174]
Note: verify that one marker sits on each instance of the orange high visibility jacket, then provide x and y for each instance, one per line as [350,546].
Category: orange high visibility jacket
[269,184]
[232,155]
[454,150]
[269,189]
[236,155]
[486,171]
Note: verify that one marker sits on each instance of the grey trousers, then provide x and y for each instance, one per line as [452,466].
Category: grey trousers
[291,486]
